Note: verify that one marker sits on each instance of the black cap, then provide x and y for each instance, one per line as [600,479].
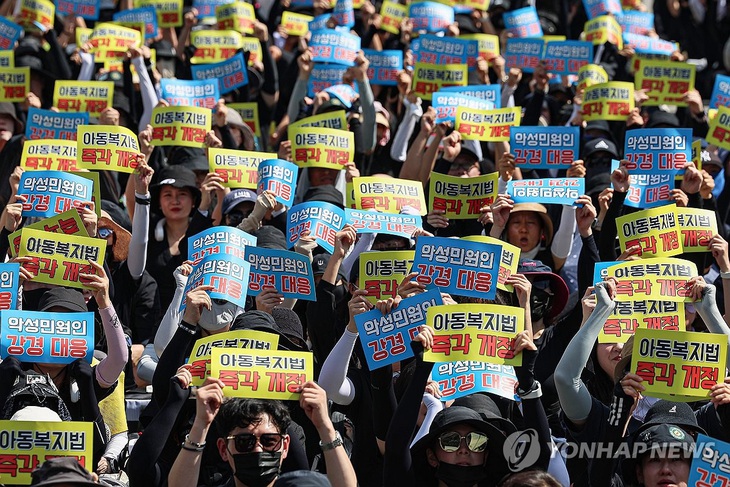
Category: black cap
[117,214]
[326,193]
[178,177]
[270,237]
[302,478]
[163,49]
[237,196]
[63,297]
[288,323]
[598,183]
[599,145]
[601,125]
[669,412]
[192,158]
[660,118]
[487,409]
[61,470]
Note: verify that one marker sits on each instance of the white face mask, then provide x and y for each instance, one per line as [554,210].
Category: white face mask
[219,316]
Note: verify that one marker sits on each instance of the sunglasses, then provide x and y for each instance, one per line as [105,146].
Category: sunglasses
[246,442]
[105,232]
[451,441]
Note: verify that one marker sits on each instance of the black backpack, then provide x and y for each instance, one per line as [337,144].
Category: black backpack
[32,389]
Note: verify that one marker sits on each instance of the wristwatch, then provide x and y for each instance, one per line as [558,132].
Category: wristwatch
[332,444]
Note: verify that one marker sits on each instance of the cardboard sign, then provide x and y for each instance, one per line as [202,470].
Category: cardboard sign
[649,190]
[602,29]
[389,195]
[108,38]
[544,147]
[7,58]
[381,271]
[321,220]
[635,22]
[508,261]
[9,282]
[9,34]
[720,92]
[655,151]
[47,338]
[184,126]
[719,132]
[608,101]
[49,155]
[83,96]
[15,84]
[238,16]
[219,240]
[231,73]
[344,13]
[567,57]
[27,444]
[487,45]
[331,46]
[525,54]
[227,274]
[491,93]
[169,12]
[239,169]
[289,273]
[384,66]
[679,365]
[628,316]
[107,148]
[47,124]
[279,177]
[432,49]
[392,14]
[401,225]
[321,147]
[323,76]
[595,8]
[430,16]
[458,267]
[386,338]
[710,463]
[480,332]
[329,120]
[52,192]
[199,359]
[591,74]
[446,102]
[145,16]
[696,228]
[462,378]
[57,258]
[486,125]
[35,13]
[212,46]
[429,78]
[190,93]
[461,198]
[295,24]
[658,279]
[643,44]
[665,82]
[69,222]
[655,230]
[523,22]
[269,374]
[559,191]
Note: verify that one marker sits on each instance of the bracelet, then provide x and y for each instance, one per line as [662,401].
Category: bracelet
[534,393]
[187,327]
[141,201]
[332,444]
[192,444]
[184,446]
[725,275]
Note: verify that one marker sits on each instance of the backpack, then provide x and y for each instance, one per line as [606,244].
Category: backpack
[33,389]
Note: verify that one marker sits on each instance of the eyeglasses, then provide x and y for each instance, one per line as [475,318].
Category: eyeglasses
[475,441]
[105,232]
[220,302]
[246,442]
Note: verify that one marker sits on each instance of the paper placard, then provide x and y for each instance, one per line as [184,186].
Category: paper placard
[660,279]
[462,198]
[389,195]
[381,271]
[83,96]
[219,240]
[654,230]
[544,147]
[184,126]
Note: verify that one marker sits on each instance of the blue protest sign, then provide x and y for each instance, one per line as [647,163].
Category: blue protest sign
[657,151]
[710,462]
[344,14]
[219,240]
[384,66]
[200,93]
[331,46]
[386,223]
[523,22]
[206,8]
[144,15]
[720,92]
[523,53]
[9,283]
[635,22]
[649,45]
[47,124]
[430,16]
[46,338]
[649,190]
[323,76]
[227,274]
[279,177]
[596,8]
[321,220]
[319,22]
[288,272]
[386,338]
[491,93]
[87,9]
[231,73]
[459,267]
[302,3]
[461,378]
[49,193]
[446,103]
[544,147]
[433,49]
[558,191]
[9,33]
[345,93]
[567,57]
[600,270]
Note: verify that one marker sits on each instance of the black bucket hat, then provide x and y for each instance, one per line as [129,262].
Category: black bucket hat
[178,177]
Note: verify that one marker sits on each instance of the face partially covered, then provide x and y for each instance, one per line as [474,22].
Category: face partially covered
[457,445]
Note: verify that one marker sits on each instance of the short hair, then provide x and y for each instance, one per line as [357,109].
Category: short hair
[238,412]
[530,478]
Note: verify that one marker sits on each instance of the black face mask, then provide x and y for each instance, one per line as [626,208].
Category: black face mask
[460,475]
[540,303]
[340,293]
[257,469]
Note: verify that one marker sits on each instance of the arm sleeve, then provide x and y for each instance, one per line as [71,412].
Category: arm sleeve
[508,96]
[109,369]
[433,406]
[137,259]
[399,148]
[147,363]
[563,240]
[297,95]
[367,101]
[271,73]
[363,244]
[147,90]
[333,377]
[87,66]
[116,445]
[168,364]
[707,308]
[168,325]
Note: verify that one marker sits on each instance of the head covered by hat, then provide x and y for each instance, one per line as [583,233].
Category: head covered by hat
[541,211]
[540,271]
[62,471]
[178,177]
[115,219]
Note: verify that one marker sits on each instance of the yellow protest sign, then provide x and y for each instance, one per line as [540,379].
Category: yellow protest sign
[57,258]
[392,14]
[15,83]
[382,271]
[27,444]
[40,11]
[486,125]
[429,78]
[118,65]
[655,230]
[388,195]
[481,332]
[270,374]
[169,12]
[697,154]
[7,59]
[461,198]
[108,38]
[508,262]
[249,112]
[330,120]
[629,316]
[488,44]
[199,360]
[49,155]
[608,101]
[239,169]
[665,82]
[252,45]
[476,4]
[83,34]
[295,24]
[238,16]
[68,222]
[96,193]
[679,365]
[212,46]
[107,148]
[602,29]
[321,147]
[719,132]
[551,38]
[591,74]
[696,228]
[178,125]
[660,279]
[83,96]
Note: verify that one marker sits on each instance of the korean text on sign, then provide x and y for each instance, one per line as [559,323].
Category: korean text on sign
[628,316]
[219,240]
[47,124]
[288,272]
[321,220]
[545,147]
[49,193]
[462,198]
[508,262]
[106,147]
[658,279]
[397,224]
[608,101]
[389,195]
[69,222]
[239,169]
[227,274]
[487,125]
[49,155]
[321,147]
[382,271]
[560,191]
[184,126]
[461,378]
[83,96]
[710,463]
[654,230]
[280,178]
